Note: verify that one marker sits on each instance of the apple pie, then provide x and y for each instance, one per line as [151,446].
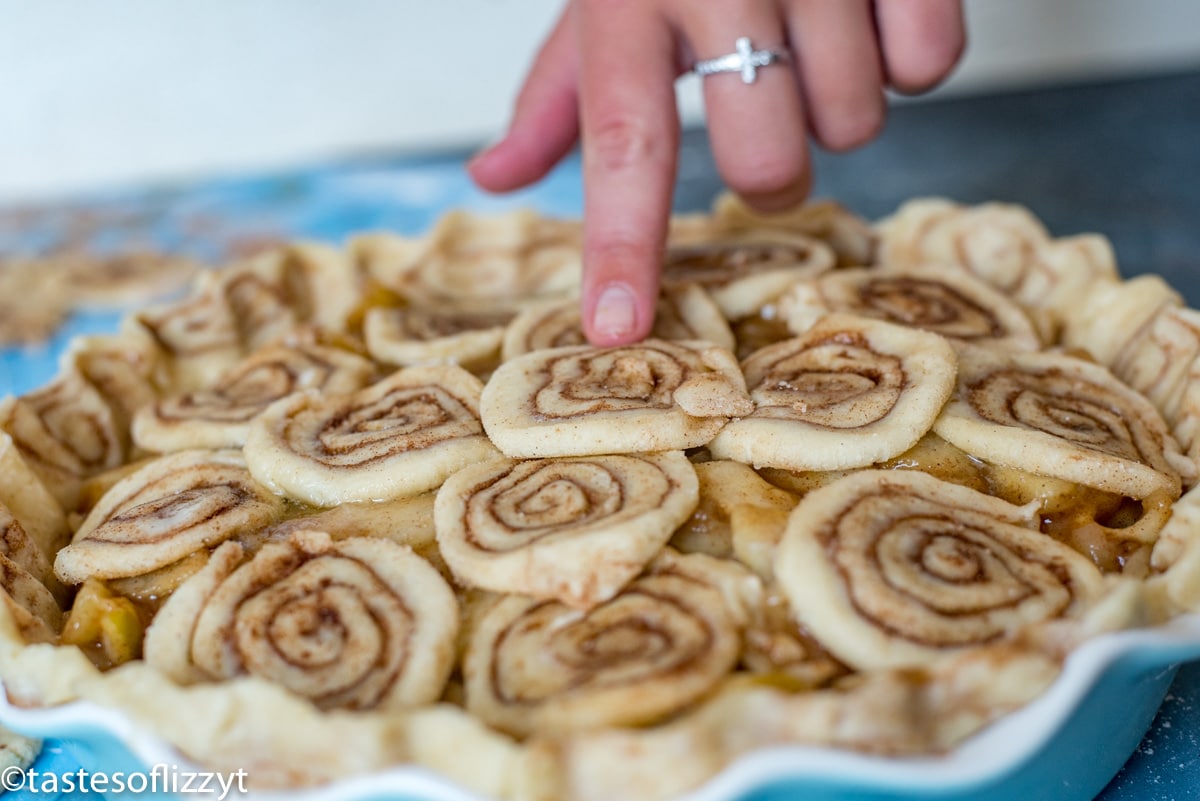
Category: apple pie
[865,487]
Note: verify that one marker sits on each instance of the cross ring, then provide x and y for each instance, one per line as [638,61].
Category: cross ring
[746,60]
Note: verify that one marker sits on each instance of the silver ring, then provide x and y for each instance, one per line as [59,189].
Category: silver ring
[746,60]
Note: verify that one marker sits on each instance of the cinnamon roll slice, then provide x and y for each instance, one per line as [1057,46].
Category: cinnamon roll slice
[20,588]
[413,335]
[683,312]
[173,506]
[897,568]
[361,623]
[66,433]
[259,301]
[219,417]
[1106,316]
[123,368]
[1175,584]
[121,280]
[945,301]
[661,644]
[197,336]
[852,238]
[1003,244]
[850,392]
[319,283]
[994,240]
[1055,415]
[17,546]
[579,401]
[34,302]
[1159,360]
[468,258]
[400,436]
[743,270]
[571,530]
[29,502]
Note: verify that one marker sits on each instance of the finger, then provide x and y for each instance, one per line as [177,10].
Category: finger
[545,123]
[630,138]
[757,131]
[922,40]
[837,61]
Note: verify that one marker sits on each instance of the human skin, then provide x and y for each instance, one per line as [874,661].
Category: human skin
[605,77]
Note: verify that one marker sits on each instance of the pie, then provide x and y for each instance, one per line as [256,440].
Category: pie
[865,487]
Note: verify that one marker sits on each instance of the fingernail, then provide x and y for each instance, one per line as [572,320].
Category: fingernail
[614,313]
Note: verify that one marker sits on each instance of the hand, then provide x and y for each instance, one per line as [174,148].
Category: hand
[606,75]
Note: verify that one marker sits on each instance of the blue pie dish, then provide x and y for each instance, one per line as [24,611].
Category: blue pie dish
[1064,746]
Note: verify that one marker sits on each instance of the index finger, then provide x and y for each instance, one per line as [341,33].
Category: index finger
[630,131]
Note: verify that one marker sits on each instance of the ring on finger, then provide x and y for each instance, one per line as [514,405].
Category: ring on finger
[745,59]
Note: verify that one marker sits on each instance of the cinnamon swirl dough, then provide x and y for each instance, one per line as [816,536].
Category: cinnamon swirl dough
[66,433]
[123,369]
[683,312]
[219,417]
[358,624]
[744,270]
[33,302]
[1107,315]
[120,280]
[1003,244]
[1175,587]
[579,401]
[571,530]
[850,392]
[852,238]
[416,335]
[1055,415]
[173,506]
[468,258]
[400,436]
[318,282]
[19,587]
[28,501]
[197,336]
[259,302]
[898,568]
[24,553]
[1160,359]
[663,642]
[944,301]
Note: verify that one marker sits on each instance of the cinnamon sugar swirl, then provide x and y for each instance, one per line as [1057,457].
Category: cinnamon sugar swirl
[946,301]
[684,312]
[358,624]
[848,393]
[1056,415]
[743,270]
[400,436]
[220,416]
[577,401]
[663,642]
[892,569]
[572,530]
[168,509]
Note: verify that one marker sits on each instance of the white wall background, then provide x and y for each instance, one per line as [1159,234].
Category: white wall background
[112,92]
